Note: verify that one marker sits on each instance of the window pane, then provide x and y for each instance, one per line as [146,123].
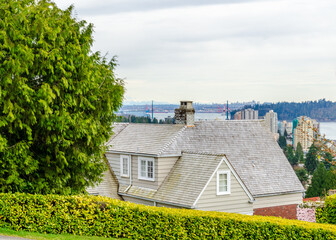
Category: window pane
[150,169]
[222,182]
[143,168]
[125,166]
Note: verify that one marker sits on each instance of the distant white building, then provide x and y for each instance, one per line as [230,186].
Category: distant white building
[271,121]
[249,114]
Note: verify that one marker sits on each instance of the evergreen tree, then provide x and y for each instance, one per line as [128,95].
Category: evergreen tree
[282,142]
[289,152]
[311,161]
[302,174]
[299,153]
[155,120]
[57,100]
[327,159]
[285,133]
[322,181]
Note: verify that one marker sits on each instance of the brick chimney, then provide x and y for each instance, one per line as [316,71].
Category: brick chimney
[185,114]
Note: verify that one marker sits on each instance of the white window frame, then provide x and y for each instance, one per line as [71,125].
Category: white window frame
[228,174]
[122,166]
[147,159]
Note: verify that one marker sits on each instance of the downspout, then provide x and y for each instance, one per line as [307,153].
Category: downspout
[130,174]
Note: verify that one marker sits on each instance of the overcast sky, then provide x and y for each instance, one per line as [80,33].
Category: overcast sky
[213,51]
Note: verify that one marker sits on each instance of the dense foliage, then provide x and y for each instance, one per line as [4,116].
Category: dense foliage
[327,214]
[302,175]
[107,217]
[321,182]
[321,110]
[311,161]
[282,142]
[57,100]
[144,119]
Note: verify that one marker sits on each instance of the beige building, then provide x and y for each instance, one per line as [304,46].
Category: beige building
[305,131]
[229,166]
[249,114]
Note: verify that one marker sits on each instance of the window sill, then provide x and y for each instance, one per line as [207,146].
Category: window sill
[147,179]
[223,193]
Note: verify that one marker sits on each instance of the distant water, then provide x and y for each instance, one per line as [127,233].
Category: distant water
[198,116]
[327,128]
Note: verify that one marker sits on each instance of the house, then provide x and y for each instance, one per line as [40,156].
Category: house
[230,166]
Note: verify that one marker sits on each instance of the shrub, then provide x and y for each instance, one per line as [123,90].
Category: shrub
[100,216]
[327,214]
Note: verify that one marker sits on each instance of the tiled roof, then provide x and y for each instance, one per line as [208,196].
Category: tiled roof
[249,147]
[184,183]
[187,178]
[144,138]
[137,191]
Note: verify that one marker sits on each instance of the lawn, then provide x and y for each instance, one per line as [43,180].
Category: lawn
[41,236]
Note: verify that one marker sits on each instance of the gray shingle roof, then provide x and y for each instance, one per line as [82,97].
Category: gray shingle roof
[187,178]
[250,148]
[144,138]
[184,183]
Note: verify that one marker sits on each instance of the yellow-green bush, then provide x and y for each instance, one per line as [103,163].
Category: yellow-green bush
[100,216]
[327,213]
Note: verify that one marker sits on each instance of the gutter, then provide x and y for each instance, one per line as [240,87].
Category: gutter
[156,201]
[275,194]
[143,154]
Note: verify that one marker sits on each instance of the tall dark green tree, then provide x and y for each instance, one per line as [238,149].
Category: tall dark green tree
[302,175]
[311,161]
[289,152]
[57,100]
[299,153]
[321,182]
[282,142]
[327,160]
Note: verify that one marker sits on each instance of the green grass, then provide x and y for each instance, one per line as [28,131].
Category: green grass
[41,236]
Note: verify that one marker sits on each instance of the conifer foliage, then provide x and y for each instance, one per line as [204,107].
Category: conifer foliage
[57,100]
[311,162]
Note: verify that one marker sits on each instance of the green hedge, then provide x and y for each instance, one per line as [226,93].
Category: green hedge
[327,214]
[100,216]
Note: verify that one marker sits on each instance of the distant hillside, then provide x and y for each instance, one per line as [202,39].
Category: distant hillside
[320,110]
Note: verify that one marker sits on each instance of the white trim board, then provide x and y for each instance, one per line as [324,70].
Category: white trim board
[224,159]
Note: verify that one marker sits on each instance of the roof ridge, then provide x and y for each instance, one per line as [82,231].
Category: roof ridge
[230,121]
[172,140]
[204,153]
[114,134]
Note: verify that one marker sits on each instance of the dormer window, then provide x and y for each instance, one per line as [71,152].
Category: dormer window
[146,168]
[223,182]
[124,165]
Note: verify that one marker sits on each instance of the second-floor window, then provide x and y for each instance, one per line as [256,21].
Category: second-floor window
[124,165]
[146,168]
[223,182]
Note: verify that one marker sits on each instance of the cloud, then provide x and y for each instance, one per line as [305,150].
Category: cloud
[262,50]
[103,7]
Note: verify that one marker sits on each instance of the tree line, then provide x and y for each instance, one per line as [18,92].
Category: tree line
[144,119]
[321,110]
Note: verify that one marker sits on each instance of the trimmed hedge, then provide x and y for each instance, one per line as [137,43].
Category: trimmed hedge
[327,214]
[101,216]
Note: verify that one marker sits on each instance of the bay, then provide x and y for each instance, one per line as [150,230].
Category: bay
[329,129]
